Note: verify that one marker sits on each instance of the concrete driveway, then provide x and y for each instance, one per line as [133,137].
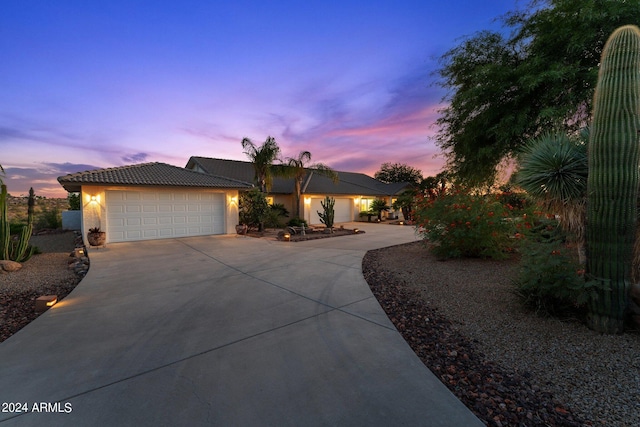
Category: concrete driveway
[223,331]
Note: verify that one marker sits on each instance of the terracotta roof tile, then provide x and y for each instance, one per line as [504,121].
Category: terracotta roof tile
[151,174]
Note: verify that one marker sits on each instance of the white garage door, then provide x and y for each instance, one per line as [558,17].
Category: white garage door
[144,215]
[342,210]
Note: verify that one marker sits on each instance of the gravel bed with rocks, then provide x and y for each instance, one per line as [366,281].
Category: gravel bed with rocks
[51,272]
[510,366]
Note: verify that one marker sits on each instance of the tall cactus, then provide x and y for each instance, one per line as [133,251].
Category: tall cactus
[327,217]
[612,185]
[5,230]
[16,250]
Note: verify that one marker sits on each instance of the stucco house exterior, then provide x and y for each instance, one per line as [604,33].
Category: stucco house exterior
[157,200]
[353,192]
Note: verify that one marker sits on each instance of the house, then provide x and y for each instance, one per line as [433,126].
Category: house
[353,192]
[156,200]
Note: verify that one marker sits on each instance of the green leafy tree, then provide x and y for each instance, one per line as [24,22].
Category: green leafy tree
[74,201]
[503,90]
[398,172]
[406,202]
[298,168]
[262,158]
[434,186]
[254,209]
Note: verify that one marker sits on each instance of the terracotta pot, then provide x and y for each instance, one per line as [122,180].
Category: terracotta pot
[97,239]
[241,229]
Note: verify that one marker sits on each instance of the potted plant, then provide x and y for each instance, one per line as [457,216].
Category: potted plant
[242,228]
[96,237]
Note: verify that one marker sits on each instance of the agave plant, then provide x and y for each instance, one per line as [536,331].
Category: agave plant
[554,170]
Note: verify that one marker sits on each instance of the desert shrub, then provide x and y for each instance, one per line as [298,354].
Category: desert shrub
[462,224]
[297,222]
[49,218]
[550,279]
[275,215]
[515,201]
[16,227]
[253,208]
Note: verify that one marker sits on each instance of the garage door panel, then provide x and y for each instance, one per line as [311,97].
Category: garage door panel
[342,210]
[150,221]
[162,214]
[133,222]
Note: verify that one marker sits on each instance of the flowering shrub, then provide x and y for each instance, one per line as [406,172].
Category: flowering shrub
[550,279]
[461,224]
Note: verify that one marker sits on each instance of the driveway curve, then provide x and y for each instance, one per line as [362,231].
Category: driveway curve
[223,331]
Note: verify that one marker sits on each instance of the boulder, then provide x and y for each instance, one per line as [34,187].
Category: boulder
[10,266]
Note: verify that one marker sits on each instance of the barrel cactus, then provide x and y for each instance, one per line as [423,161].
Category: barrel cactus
[612,185]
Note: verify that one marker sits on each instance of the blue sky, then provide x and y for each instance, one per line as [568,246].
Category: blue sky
[92,84]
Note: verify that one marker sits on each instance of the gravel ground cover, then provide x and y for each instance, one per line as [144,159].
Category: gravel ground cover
[44,274]
[508,365]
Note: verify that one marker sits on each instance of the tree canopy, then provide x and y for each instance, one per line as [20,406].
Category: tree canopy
[398,172]
[296,168]
[537,75]
[262,158]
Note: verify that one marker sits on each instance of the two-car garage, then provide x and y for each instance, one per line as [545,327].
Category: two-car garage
[343,209]
[157,214]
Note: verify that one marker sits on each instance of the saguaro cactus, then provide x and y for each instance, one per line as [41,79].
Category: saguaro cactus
[612,185]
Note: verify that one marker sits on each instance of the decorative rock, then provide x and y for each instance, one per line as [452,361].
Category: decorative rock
[10,266]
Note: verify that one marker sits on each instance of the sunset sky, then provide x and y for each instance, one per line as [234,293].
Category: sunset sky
[87,84]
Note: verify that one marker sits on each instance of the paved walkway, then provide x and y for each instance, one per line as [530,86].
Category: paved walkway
[224,331]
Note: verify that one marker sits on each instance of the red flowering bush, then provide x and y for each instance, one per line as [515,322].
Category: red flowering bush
[461,224]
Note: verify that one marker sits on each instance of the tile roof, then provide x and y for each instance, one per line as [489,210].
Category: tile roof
[349,182]
[152,174]
[237,169]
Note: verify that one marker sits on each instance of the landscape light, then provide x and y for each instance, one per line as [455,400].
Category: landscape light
[45,302]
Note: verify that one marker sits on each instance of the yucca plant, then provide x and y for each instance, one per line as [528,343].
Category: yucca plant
[554,170]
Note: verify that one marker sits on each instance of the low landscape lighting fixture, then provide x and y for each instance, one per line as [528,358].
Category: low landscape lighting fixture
[45,302]
[356,230]
[286,237]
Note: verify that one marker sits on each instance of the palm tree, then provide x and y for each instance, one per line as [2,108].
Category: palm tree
[554,169]
[297,167]
[262,158]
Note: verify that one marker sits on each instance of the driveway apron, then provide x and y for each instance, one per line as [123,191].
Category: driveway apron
[223,331]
